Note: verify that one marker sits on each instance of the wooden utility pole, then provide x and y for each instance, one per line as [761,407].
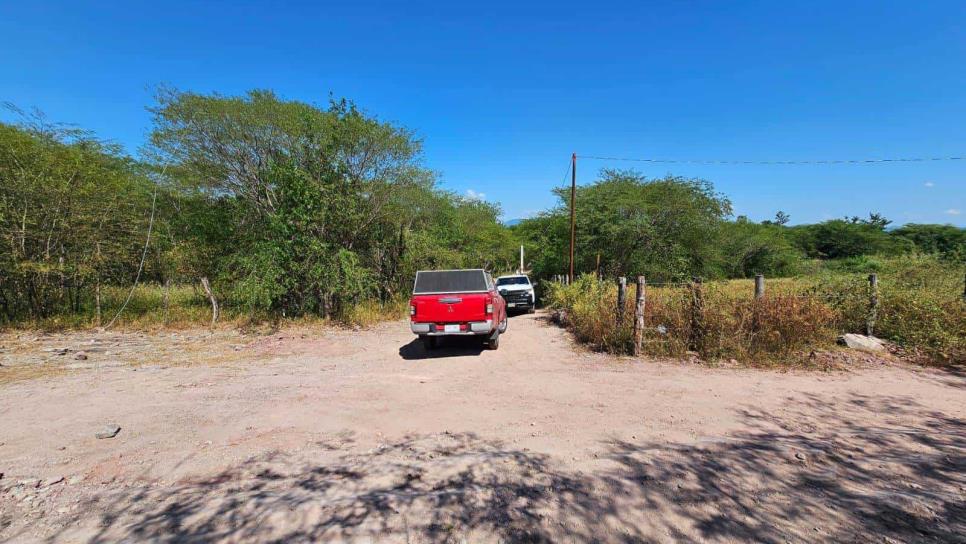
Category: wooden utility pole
[573,211]
[521,259]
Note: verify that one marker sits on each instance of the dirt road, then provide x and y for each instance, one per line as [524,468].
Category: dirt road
[359,436]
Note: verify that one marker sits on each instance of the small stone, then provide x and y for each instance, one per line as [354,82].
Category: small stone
[800,456]
[109,431]
[81,356]
[74,480]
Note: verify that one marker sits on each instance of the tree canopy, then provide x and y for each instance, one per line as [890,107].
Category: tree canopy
[295,208]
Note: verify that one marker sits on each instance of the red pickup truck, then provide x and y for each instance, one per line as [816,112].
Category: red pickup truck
[457,303]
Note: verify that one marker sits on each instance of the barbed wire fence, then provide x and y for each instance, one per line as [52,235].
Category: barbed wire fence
[862,294]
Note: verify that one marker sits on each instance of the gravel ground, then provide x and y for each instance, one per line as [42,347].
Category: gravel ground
[337,435]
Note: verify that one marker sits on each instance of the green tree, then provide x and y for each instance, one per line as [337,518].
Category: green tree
[327,206]
[749,248]
[947,241]
[841,238]
[665,228]
[73,216]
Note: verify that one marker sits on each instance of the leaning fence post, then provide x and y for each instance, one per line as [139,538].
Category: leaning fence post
[621,298]
[873,304]
[696,340]
[759,286]
[639,316]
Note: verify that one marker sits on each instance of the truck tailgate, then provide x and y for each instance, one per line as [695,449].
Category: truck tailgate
[450,308]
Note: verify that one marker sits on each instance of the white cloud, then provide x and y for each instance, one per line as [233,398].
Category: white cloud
[473,195]
[929,184]
[953,211]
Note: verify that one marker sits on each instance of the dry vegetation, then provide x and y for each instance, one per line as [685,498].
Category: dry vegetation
[155,307]
[920,309]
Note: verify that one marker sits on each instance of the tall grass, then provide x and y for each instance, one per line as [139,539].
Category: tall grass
[921,306]
[920,309]
[370,312]
[727,323]
[153,306]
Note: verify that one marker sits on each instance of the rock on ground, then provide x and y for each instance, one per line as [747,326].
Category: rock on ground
[863,342]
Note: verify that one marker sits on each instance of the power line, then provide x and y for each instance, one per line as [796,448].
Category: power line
[823,161]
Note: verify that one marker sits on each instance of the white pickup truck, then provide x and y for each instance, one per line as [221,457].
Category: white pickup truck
[518,292]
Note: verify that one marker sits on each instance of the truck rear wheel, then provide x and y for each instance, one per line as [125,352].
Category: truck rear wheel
[493,341]
[429,342]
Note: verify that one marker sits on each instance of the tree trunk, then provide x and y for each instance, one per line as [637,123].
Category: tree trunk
[211,296]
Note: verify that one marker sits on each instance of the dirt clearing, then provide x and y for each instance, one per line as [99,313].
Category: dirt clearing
[357,436]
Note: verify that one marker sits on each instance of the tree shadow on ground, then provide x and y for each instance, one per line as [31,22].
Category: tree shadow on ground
[859,469]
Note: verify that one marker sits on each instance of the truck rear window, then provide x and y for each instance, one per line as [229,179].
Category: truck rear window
[449,281]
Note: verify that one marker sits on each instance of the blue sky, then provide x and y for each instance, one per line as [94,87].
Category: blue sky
[502,93]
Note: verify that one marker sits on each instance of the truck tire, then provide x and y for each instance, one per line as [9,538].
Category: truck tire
[504,324]
[429,342]
[493,341]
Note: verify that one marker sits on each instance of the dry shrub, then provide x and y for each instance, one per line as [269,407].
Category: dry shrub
[921,306]
[727,323]
[369,312]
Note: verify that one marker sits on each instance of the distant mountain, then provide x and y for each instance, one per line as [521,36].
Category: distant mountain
[512,222]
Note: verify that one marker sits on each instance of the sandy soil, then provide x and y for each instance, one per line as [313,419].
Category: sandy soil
[338,435]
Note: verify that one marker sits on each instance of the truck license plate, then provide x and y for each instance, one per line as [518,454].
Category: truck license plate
[451,328]
[510,304]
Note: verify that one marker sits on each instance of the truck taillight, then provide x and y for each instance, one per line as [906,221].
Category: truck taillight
[489,305]
[412,309]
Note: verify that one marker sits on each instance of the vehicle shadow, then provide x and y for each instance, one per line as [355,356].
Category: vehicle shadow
[858,469]
[450,346]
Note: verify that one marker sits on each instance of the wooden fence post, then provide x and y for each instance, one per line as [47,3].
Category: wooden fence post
[621,299]
[873,304]
[639,317]
[696,340]
[759,286]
